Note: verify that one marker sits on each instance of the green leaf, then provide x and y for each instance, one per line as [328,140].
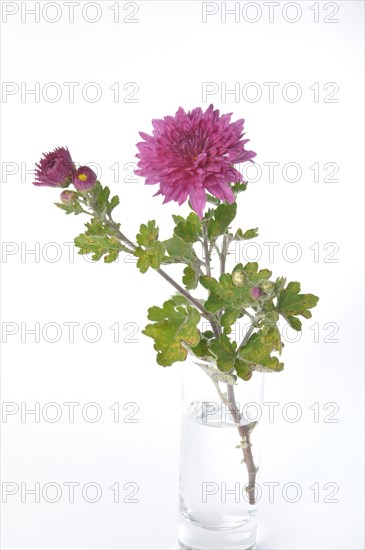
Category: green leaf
[294,322]
[99,239]
[255,275]
[279,285]
[225,353]
[74,208]
[189,230]
[238,187]
[271,315]
[229,318]
[249,234]
[150,251]
[243,369]
[150,257]
[179,249]
[257,352]
[227,359]
[99,199]
[221,220]
[173,326]
[179,299]
[209,334]
[99,246]
[291,303]
[177,218]
[202,349]
[148,233]
[112,204]
[250,274]
[224,294]
[97,228]
[272,338]
[190,278]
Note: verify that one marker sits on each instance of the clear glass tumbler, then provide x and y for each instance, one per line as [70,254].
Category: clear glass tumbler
[219,458]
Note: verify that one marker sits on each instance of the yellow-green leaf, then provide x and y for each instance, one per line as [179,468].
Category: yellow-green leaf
[173,326]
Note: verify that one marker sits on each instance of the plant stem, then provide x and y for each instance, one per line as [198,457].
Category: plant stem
[223,254]
[185,293]
[252,317]
[120,235]
[247,335]
[244,432]
[208,259]
[85,211]
[206,250]
[229,400]
[165,275]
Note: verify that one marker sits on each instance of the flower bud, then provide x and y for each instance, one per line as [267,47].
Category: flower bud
[267,286]
[256,292]
[238,277]
[68,197]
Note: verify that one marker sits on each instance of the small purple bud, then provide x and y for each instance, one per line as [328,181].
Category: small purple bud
[84,178]
[68,197]
[256,292]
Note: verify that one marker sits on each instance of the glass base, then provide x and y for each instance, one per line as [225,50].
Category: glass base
[196,537]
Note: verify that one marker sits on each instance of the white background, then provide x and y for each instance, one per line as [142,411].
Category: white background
[169,53]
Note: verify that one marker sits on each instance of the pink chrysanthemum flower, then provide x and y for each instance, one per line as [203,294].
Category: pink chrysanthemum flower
[193,153]
[84,178]
[55,169]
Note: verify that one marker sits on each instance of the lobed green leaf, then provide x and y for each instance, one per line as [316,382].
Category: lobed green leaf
[74,208]
[256,353]
[150,251]
[173,326]
[245,236]
[291,303]
[99,246]
[222,217]
[189,230]
[190,278]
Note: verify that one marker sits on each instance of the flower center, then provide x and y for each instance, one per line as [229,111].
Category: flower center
[82,177]
[190,145]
